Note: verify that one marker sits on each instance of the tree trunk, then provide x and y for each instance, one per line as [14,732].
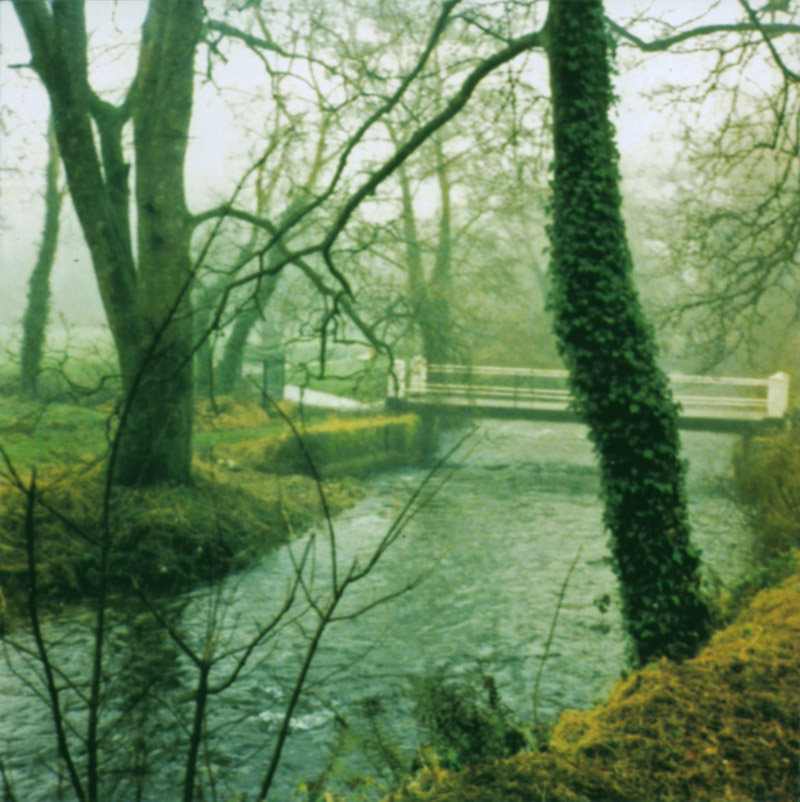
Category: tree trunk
[437,336]
[609,348]
[34,322]
[230,367]
[156,442]
[429,298]
[204,355]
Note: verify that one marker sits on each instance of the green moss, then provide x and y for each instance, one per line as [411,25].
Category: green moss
[721,726]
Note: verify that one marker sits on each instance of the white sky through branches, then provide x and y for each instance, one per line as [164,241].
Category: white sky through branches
[224,137]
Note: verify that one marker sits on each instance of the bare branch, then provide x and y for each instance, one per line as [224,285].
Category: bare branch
[771,30]
[259,43]
[44,657]
[788,74]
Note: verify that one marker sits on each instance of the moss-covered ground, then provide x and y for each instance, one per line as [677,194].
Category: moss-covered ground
[722,727]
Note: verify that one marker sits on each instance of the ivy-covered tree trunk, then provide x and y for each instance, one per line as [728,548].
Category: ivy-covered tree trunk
[34,321]
[610,350]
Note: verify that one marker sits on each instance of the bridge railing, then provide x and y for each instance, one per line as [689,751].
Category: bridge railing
[700,396]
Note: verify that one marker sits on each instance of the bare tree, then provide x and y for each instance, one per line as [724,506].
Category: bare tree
[147,299]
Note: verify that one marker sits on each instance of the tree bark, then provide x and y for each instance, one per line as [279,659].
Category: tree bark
[229,372]
[34,322]
[610,350]
[156,443]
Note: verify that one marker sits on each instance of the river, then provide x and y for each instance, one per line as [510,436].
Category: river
[494,547]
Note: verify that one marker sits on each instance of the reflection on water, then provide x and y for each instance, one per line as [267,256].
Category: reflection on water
[495,544]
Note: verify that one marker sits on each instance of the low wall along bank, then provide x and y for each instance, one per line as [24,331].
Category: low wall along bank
[340,447]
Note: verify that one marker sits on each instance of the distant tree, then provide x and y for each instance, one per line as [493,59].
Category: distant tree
[738,239]
[428,295]
[609,348]
[734,253]
[34,321]
[232,361]
[400,95]
[451,258]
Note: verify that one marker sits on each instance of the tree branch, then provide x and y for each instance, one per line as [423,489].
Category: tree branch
[789,75]
[454,105]
[259,43]
[658,45]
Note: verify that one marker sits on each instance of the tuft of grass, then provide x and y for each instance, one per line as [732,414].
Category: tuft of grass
[229,412]
[772,571]
[466,722]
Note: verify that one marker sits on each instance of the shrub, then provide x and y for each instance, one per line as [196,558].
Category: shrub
[767,471]
[466,722]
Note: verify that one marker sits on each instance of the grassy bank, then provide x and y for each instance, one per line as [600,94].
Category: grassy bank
[355,446]
[722,726]
[251,492]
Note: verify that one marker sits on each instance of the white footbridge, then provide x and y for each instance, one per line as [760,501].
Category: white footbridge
[708,403]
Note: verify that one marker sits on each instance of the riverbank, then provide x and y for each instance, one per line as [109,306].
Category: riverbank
[252,492]
[722,726]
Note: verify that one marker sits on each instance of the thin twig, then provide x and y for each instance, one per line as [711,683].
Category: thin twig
[44,657]
[317,480]
[8,791]
[547,645]
[337,593]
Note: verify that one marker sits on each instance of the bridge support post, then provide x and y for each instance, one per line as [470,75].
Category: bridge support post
[777,395]
[418,375]
[397,383]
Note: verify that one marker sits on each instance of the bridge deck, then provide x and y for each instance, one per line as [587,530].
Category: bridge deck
[708,402]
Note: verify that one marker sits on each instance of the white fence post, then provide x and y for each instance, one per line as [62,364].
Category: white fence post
[418,375]
[777,395]
[398,388]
